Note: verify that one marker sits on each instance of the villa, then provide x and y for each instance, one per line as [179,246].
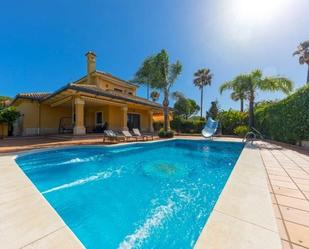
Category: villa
[90,104]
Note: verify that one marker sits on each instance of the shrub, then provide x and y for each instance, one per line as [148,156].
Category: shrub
[241,130]
[187,126]
[166,134]
[157,125]
[229,120]
[286,120]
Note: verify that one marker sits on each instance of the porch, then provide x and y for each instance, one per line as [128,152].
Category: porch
[89,115]
[80,115]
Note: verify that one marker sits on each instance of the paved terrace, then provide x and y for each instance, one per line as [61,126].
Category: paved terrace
[20,144]
[287,173]
[288,180]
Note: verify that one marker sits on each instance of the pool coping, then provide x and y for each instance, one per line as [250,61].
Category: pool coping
[243,216]
[233,208]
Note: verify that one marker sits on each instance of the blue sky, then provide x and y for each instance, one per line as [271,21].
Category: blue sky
[42,43]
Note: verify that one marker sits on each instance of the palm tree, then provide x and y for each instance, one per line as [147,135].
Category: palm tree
[239,91]
[157,71]
[303,53]
[154,96]
[254,81]
[202,78]
[141,75]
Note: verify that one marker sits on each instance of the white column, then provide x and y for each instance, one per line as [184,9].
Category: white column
[150,114]
[79,127]
[124,123]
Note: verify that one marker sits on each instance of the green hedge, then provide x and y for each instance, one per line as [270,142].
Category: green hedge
[187,126]
[229,120]
[286,120]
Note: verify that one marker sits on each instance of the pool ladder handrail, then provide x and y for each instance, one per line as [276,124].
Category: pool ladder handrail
[254,133]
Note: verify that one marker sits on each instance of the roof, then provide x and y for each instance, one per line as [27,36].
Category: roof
[105,93]
[117,78]
[34,96]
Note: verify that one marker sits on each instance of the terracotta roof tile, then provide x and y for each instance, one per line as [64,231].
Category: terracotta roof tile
[115,94]
[35,96]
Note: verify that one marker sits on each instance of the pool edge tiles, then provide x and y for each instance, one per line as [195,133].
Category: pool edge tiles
[27,218]
[243,216]
[57,234]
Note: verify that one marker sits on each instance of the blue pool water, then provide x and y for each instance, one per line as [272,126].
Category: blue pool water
[154,195]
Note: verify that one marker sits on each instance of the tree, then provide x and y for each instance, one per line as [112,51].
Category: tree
[239,90]
[303,54]
[157,71]
[4,100]
[141,76]
[184,107]
[254,81]
[154,96]
[194,107]
[213,110]
[202,78]
[8,115]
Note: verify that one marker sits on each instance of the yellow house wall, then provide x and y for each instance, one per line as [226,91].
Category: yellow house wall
[29,120]
[90,116]
[34,115]
[107,85]
[115,117]
[50,118]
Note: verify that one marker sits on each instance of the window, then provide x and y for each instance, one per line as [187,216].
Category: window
[118,90]
[133,121]
[130,93]
[99,118]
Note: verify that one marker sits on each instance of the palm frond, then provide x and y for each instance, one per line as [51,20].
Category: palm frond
[174,71]
[226,86]
[202,78]
[276,84]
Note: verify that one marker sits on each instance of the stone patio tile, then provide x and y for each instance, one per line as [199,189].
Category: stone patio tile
[276,172]
[288,192]
[306,193]
[58,239]
[282,230]
[273,199]
[298,247]
[290,184]
[277,212]
[301,175]
[25,220]
[295,215]
[251,175]
[239,199]
[224,226]
[280,178]
[17,194]
[301,181]
[298,233]
[303,187]
[293,202]
[285,244]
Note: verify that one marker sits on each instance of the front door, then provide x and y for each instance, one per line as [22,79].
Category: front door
[133,121]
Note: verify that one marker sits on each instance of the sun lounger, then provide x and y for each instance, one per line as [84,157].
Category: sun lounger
[112,136]
[137,132]
[129,136]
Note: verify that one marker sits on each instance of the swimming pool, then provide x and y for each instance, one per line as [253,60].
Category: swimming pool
[144,195]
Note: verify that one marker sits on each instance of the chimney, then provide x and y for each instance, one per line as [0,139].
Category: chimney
[90,62]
